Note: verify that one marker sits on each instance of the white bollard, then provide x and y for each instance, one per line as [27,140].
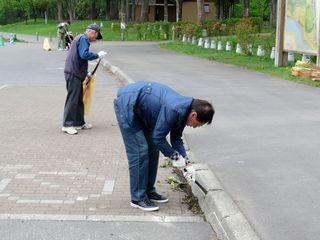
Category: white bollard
[273,53]
[207,43]
[200,42]
[228,46]
[249,48]
[290,57]
[305,58]
[184,38]
[194,40]
[260,51]
[238,49]
[220,46]
[213,44]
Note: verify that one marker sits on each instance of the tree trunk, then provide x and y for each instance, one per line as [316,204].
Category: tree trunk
[179,10]
[127,10]
[123,11]
[71,9]
[221,10]
[107,9]
[144,11]
[133,10]
[273,12]
[245,8]
[200,7]
[93,9]
[165,10]
[231,9]
[217,8]
[114,13]
[60,13]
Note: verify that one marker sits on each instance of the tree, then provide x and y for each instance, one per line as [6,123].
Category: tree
[179,10]
[59,8]
[114,13]
[200,8]
[93,9]
[273,11]
[144,11]
[133,10]
[107,8]
[245,8]
[165,10]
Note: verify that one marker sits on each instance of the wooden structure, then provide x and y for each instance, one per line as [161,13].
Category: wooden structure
[188,11]
[281,57]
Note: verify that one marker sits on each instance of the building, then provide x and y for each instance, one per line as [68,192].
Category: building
[189,10]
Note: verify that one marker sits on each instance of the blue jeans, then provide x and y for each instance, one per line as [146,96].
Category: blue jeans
[143,159]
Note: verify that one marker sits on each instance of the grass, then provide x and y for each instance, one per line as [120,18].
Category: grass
[76,27]
[255,63]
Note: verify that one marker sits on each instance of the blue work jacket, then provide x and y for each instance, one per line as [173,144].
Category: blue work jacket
[158,109]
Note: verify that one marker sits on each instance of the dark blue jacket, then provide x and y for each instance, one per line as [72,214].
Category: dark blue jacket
[158,109]
[78,56]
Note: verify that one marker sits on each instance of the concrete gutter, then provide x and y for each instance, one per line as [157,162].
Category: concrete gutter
[220,210]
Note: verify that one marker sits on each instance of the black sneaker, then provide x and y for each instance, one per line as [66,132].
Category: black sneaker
[145,205]
[157,198]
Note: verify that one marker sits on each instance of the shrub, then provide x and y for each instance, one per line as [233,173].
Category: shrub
[246,31]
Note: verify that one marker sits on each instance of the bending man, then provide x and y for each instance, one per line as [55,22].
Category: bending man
[147,112]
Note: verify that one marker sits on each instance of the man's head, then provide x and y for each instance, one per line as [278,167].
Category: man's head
[201,112]
[93,32]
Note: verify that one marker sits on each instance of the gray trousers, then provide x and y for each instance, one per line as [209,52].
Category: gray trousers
[73,108]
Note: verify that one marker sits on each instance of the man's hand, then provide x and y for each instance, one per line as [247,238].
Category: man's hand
[177,160]
[102,54]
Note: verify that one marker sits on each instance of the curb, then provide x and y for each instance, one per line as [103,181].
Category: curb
[220,210]
[117,72]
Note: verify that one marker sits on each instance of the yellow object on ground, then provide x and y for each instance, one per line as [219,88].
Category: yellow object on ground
[89,85]
[46,44]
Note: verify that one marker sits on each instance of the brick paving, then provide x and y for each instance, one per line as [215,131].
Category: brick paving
[45,171]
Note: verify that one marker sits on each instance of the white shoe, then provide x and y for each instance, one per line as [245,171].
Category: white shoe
[69,130]
[180,163]
[84,126]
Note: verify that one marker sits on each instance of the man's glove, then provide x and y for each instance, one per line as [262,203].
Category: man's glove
[177,160]
[189,173]
[102,54]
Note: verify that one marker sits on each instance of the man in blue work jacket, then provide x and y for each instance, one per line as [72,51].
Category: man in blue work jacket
[75,72]
[147,112]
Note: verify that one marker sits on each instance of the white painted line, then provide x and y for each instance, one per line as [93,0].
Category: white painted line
[48,173]
[101,218]
[3,86]
[3,183]
[25,176]
[108,187]
[25,201]
[51,201]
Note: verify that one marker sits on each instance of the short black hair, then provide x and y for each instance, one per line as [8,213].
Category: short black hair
[204,110]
